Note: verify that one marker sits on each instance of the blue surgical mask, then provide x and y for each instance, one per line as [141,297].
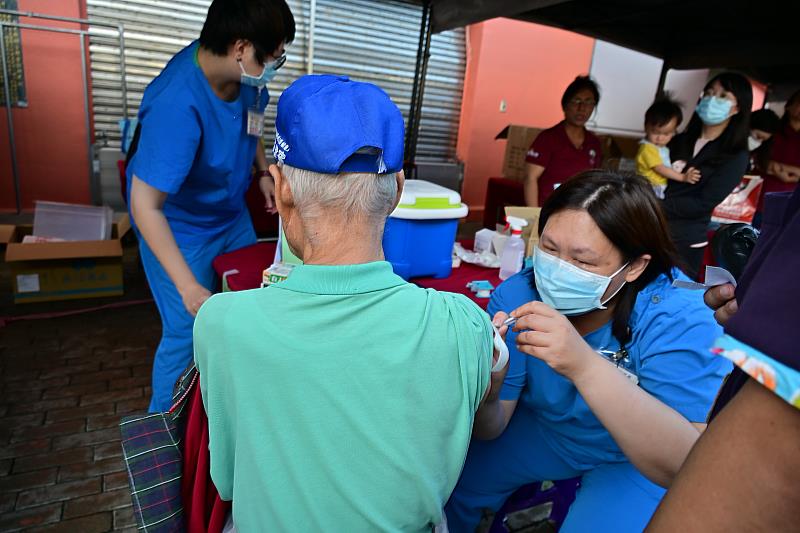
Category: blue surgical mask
[713,110]
[266,76]
[568,289]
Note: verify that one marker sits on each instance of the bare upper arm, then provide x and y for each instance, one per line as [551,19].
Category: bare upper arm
[144,196]
[534,172]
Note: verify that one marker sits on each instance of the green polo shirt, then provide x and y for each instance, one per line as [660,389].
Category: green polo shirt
[341,399]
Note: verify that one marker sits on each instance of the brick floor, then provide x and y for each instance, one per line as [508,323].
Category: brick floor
[64,384]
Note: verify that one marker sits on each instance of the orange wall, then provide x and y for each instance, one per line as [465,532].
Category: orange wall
[759,93]
[528,66]
[50,133]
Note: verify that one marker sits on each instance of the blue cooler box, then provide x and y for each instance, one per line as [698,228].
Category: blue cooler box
[420,233]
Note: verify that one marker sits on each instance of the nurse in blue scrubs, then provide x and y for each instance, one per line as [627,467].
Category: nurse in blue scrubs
[610,376]
[200,137]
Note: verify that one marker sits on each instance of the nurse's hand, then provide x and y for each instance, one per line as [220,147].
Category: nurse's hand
[548,335]
[722,300]
[267,186]
[193,297]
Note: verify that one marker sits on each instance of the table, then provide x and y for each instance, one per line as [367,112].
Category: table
[251,261]
[458,279]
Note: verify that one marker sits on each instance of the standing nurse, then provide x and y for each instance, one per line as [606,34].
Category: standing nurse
[560,152]
[201,122]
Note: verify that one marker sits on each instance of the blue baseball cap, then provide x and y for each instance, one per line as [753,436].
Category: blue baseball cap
[331,124]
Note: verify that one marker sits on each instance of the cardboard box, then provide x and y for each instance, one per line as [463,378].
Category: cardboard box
[44,272]
[530,233]
[6,233]
[619,153]
[519,139]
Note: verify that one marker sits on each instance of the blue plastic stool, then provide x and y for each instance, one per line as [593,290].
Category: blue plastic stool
[561,494]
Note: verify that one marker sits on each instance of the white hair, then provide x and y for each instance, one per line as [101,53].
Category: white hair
[356,195]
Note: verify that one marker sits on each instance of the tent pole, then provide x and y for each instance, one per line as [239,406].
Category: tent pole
[418,90]
[662,78]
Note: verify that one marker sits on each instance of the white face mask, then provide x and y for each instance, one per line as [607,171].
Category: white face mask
[753,143]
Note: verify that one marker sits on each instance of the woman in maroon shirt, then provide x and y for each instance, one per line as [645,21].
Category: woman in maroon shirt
[567,148]
[783,169]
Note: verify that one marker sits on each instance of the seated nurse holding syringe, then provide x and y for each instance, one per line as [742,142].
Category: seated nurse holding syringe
[610,376]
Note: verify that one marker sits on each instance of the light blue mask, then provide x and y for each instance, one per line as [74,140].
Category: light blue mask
[713,110]
[568,289]
[266,76]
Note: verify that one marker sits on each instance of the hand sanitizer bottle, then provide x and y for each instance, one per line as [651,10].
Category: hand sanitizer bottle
[514,250]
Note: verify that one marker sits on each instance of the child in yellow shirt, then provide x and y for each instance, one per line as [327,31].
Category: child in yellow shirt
[652,160]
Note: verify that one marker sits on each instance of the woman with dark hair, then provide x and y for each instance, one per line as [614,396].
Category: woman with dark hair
[191,162]
[567,148]
[610,377]
[715,143]
[783,167]
[764,123]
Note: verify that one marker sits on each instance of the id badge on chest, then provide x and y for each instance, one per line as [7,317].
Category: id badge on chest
[255,121]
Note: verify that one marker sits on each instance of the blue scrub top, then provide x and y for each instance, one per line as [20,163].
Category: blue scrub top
[194,146]
[672,332]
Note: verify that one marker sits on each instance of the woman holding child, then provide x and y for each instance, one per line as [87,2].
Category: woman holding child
[715,144]
[609,377]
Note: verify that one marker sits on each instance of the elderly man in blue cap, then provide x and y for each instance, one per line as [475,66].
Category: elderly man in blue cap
[341,399]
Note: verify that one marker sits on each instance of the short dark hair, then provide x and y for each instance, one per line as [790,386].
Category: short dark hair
[793,99]
[628,213]
[765,120]
[265,23]
[734,138]
[579,84]
[662,111]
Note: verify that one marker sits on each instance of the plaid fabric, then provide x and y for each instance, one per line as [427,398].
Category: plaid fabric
[151,449]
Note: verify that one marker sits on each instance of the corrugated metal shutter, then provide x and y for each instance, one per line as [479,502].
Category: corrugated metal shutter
[366,39]
[377,42]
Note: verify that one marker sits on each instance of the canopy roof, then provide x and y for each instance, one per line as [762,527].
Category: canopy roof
[759,38]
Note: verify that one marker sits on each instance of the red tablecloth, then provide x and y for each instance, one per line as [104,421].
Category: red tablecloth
[252,260]
[458,279]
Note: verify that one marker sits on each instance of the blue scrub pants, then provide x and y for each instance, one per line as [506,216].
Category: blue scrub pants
[613,497]
[175,349]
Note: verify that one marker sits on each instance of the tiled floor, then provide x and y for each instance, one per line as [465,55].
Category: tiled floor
[64,383]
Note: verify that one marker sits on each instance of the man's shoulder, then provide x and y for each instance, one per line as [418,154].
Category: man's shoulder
[224,304]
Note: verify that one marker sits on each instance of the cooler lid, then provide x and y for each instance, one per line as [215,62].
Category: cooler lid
[421,194]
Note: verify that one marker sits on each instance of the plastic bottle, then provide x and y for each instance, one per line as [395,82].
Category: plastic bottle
[514,250]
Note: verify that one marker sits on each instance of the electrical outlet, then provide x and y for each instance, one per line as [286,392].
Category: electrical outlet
[503,105]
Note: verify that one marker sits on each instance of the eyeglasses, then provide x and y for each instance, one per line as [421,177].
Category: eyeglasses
[279,62]
[577,102]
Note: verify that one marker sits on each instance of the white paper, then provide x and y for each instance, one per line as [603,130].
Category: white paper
[28,283]
[714,276]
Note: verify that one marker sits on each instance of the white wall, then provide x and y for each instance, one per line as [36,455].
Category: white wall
[685,86]
[628,82]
